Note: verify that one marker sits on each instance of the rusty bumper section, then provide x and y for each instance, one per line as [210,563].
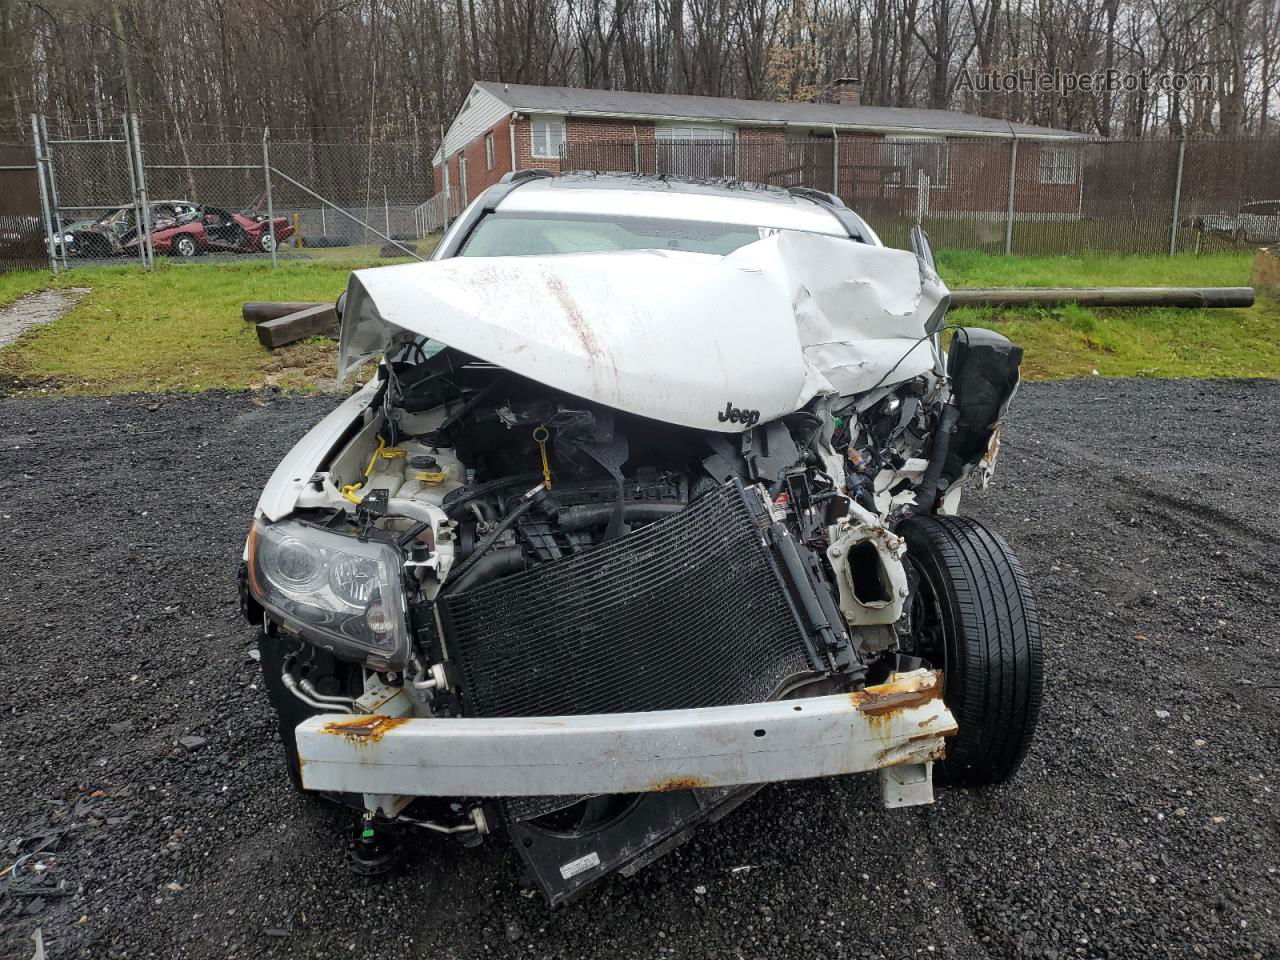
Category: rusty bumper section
[903,722]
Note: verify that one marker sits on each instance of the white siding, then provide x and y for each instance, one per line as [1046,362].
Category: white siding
[481,111]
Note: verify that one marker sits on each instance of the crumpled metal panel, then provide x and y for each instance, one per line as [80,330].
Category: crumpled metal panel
[674,336]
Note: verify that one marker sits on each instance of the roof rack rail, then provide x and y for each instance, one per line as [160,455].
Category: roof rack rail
[516,176]
[853,224]
[818,196]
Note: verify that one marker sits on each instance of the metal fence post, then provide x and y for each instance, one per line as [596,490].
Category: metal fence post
[271,214]
[1177,198]
[835,162]
[1013,177]
[386,210]
[44,195]
[144,238]
[54,206]
[133,188]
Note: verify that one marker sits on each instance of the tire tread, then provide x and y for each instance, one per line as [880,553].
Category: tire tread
[995,657]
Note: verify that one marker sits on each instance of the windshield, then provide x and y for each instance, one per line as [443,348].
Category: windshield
[529,234]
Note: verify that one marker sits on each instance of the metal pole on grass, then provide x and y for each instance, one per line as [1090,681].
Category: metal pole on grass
[1177,199]
[271,213]
[1013,177]
[44,196]
[145,237]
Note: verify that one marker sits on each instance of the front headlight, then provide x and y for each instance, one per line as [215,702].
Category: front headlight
[335,591]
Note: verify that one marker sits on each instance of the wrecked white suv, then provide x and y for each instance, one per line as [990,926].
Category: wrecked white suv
[653,499]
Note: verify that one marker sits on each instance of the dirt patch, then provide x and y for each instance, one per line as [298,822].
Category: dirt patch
[308,363]
[36,309]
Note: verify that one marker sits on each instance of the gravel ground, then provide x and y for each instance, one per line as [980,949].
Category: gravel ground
[1143,824]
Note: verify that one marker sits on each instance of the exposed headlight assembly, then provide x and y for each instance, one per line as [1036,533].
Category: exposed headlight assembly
[338,592]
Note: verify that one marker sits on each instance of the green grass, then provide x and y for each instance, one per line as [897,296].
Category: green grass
[961,268]
[179,328]
[1071,341]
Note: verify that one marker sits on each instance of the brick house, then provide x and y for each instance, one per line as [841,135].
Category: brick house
[885,159]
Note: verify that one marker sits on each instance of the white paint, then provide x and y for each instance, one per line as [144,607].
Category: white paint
[481,112]
[623,752]
[679,337]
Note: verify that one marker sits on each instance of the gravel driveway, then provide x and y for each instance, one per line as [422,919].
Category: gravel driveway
[1143,824]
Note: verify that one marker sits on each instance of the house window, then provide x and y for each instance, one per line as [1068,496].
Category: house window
[691,132]
[689,150]
[488,150]
[1057,164]
[906,158]
[547,137]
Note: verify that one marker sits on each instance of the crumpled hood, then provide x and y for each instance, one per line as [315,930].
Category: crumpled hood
[684,338]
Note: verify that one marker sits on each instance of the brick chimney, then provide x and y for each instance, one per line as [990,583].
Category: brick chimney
[849,91]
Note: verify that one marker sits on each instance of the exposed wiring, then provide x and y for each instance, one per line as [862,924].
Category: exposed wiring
[911,349]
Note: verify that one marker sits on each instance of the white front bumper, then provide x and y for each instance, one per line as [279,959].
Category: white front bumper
[902,722]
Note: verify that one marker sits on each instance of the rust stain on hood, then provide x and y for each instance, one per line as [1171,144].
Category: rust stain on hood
[364,729]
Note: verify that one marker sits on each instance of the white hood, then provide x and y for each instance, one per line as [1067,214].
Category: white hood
[677,337]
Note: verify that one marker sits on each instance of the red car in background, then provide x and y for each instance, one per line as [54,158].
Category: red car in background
[214,230]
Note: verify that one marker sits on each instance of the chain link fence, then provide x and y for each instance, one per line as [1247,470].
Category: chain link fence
[101,193]
[1001,196]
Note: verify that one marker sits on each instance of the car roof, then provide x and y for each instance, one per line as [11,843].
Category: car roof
[649,195]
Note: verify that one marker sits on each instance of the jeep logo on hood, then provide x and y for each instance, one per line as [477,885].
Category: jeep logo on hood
[731,414]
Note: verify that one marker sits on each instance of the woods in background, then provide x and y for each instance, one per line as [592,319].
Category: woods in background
[353,70]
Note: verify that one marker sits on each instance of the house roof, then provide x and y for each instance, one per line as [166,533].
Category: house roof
[574,101]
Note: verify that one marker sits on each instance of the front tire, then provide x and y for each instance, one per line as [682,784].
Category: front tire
[974,616]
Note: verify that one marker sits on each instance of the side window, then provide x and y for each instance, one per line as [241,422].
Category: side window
[547,137]
[488,150]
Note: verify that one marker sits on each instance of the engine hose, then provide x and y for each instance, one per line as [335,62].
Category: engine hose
[503,525]
[927,492]
[493,564]
[597,514]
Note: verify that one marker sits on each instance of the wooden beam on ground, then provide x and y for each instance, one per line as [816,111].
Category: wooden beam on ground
[1104,296]
[255,311]
[319,320]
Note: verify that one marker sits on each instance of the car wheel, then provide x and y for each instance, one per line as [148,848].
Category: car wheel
[973,615]
[184,245]
[267,240]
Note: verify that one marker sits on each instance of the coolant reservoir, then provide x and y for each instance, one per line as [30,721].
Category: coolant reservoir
[430,473]
[388,474]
